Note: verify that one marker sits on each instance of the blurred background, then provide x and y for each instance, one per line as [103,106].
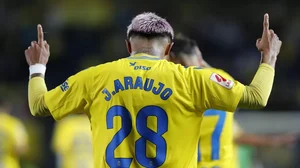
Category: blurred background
[90,32]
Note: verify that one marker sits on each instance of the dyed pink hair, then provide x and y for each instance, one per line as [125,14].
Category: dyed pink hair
[150,23]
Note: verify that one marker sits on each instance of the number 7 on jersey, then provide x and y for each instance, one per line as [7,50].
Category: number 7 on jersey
[216,134]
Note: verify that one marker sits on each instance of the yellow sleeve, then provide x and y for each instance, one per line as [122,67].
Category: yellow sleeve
[256,95]
[211,90]
[222,73]
[36,90]
[73,96]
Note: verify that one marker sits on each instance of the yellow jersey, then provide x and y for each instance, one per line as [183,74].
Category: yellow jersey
[144,111]
[215,148]
[72,142]
[13,137]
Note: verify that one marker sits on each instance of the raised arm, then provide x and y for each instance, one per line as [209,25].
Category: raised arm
[68,98]
[210,90]
[37,56]
[256,95]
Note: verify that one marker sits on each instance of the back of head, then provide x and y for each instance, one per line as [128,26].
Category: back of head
[183,46]
[149,33]
[185,51]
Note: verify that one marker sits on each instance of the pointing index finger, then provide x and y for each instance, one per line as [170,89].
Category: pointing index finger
[266,22]
[40,34]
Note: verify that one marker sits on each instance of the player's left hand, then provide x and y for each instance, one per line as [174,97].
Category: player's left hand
[38,52]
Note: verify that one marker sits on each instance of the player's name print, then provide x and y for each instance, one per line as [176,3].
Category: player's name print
[129,83]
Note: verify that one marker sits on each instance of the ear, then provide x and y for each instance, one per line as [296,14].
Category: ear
[168,49]
[128,45]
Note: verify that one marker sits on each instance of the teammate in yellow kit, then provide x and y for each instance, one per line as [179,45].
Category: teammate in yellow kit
[72,142]
[219,131]
[13,139]
[142,108]
[216,132]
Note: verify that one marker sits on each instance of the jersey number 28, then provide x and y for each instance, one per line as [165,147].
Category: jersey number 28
[146,135]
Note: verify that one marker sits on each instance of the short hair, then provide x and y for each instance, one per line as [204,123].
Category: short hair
[150,25]
[183,45]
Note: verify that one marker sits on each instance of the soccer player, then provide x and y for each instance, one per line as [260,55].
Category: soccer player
[72,142]
[218,130]
[143,109]
[13,139]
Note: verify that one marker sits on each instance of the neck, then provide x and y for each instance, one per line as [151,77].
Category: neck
[151,47]
[204,64]
[149,51]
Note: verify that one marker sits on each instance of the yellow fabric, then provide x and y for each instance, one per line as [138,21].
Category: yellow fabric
[256,95]
[211,94]
[13,137]
[36,90]
[72,142]
[216,137]
[137,83]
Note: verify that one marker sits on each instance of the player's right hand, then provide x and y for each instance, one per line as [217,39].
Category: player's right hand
[269,44]
[38,52]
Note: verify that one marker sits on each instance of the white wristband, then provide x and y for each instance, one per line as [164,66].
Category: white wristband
[37,68]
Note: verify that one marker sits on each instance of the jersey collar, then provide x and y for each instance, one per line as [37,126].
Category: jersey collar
[144,56]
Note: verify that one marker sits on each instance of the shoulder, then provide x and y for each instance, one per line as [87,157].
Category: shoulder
[94,71]
[178,67]
[198,72]
[108,66]
[222,73]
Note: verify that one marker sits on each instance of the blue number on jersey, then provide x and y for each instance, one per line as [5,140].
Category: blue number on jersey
[146,134]
[215,139]
[119,136]
[150,135]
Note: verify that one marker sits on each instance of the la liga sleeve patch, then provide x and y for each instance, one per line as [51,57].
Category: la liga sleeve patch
[228,84]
